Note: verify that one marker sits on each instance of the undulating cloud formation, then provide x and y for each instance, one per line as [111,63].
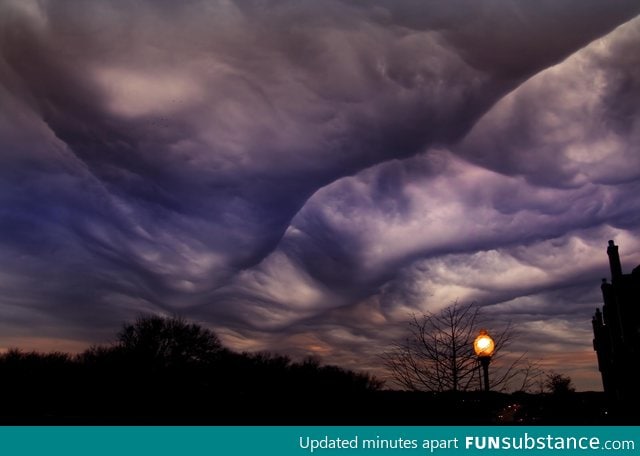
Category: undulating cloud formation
[303,176]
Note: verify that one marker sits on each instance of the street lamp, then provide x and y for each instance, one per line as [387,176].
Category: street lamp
[484,347]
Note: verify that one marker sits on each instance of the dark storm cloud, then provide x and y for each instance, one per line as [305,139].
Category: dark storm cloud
[526,244]
[571,125]
[299,174]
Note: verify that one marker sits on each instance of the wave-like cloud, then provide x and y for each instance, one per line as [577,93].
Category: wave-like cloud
[299,175]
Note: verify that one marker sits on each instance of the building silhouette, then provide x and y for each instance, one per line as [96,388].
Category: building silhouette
[616,333]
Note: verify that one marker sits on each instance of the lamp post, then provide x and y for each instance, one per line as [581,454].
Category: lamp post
[484,347]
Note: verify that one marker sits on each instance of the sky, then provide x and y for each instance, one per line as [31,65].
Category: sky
[303,176]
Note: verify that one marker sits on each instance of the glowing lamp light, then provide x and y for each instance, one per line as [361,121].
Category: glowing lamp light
[484,345]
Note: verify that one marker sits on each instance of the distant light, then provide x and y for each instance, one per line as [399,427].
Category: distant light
[484,345]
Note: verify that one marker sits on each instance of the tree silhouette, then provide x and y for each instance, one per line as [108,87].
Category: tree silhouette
[168,342]
[437,354]
[167,371]
[558,384]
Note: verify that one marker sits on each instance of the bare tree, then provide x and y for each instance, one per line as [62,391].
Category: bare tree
[437,354]
[532,377]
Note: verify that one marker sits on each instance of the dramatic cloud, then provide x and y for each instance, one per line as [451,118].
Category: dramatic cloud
[301,176]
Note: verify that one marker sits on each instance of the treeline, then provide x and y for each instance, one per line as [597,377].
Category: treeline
[169,371]
[166,367]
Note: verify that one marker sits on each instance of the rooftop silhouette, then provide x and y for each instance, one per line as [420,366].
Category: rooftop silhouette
[616,331]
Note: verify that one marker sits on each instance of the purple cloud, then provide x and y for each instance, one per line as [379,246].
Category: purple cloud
[300,176]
